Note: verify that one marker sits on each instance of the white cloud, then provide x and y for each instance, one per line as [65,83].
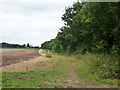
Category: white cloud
[33,21]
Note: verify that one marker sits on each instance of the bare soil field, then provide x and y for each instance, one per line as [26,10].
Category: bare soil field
[11,56]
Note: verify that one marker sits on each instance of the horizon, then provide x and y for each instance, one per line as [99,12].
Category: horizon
[31,21]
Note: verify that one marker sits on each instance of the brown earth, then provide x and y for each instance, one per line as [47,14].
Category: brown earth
[11,56]
[36,62]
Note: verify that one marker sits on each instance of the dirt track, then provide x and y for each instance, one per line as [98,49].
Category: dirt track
[11,56]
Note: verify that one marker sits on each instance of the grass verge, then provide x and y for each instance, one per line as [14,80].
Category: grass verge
[53,75]
[87,70]
[50,77]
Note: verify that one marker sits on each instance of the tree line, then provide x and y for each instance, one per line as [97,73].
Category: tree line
[7,45]
[92,28]
[89,27]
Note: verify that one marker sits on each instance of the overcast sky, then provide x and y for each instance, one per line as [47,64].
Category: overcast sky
[31,21]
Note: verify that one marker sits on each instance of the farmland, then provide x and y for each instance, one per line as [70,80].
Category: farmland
[42,72]
[11,56]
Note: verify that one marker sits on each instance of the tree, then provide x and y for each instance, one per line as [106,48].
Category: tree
[24,45]
[92,27]
[28,45]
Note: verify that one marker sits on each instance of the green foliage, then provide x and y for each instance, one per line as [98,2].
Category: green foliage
[105,65]
[91,27]
[98,68]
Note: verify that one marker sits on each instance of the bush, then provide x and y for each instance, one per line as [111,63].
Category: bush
[105,65]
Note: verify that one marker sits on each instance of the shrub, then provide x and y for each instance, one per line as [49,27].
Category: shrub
[105,65]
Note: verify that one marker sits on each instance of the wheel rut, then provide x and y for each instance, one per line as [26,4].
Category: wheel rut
[75,81]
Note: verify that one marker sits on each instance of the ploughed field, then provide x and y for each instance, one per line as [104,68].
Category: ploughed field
[11,56]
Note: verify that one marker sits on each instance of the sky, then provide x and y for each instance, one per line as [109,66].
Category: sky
[31,21]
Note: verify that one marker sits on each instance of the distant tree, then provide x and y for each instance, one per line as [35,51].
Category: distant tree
[37,47]
[28,45]
[24,45]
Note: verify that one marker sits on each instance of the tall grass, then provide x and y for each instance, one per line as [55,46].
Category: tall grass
[98,67]
[105,65]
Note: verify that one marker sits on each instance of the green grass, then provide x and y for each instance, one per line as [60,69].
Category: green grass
[46,78]
[85,69]
[53,75]
[29,79]
[0,79]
